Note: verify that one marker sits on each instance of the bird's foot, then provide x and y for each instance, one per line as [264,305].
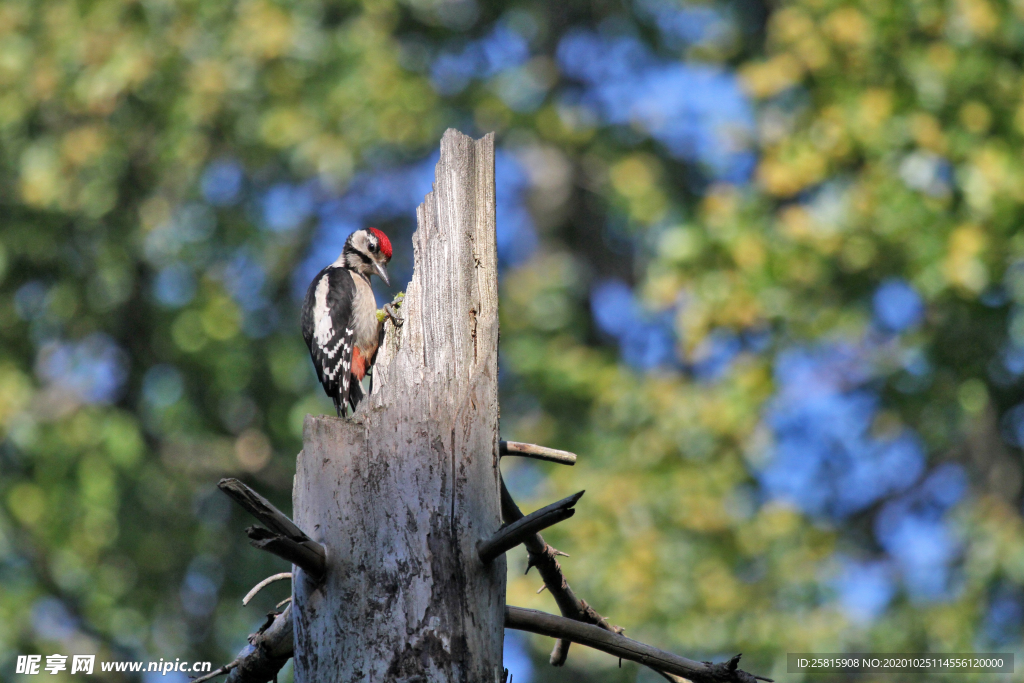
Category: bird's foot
[389,312]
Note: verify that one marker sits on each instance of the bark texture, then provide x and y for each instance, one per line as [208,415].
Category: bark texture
[401,494]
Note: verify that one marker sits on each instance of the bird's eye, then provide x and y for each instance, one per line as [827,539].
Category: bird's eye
[373,247]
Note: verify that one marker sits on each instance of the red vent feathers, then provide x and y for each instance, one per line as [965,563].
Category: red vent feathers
[383,242]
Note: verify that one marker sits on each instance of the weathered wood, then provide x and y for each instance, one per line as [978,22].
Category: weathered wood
[402,493]
[260,508]
[302,555]
[281,537]
[529,450]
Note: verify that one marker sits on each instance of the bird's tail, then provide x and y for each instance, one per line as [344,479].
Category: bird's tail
[355,393]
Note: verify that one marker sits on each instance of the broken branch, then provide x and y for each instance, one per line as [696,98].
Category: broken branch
[265,655]
[620,646]
[300,554]
[281,537]
[529,450]
[260,508]
[544,558]
[511,535]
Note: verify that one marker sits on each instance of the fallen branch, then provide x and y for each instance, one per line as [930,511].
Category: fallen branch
[529,450]
[626,648]
[265,655]
[281,537]
[544,558]
[514,533]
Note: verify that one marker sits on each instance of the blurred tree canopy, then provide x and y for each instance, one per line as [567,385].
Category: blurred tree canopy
[762,270]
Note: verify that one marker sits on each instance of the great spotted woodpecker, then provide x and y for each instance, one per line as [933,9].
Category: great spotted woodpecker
[339,316]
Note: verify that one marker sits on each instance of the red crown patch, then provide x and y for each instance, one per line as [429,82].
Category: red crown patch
[383,242]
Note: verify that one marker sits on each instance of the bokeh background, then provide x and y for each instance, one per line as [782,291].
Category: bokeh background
[761,269]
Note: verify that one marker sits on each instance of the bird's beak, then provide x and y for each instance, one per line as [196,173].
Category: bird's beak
[383,272]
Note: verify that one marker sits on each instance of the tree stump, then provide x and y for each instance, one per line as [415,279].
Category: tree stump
[402,493]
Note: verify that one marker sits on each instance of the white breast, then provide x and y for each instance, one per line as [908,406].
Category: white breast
[364,316]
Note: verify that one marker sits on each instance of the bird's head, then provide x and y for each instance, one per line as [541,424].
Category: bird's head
[368,251]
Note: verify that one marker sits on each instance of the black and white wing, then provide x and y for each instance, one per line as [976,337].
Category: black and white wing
[328,330]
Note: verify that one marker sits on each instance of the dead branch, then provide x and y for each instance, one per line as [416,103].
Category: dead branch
[620,646]
[544,558]
[263,584]
[514,533]
[281,537]
[260,508]
[299,554]
[267,652]
[529,450]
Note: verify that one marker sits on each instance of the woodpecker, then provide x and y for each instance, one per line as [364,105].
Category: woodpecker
[339,316]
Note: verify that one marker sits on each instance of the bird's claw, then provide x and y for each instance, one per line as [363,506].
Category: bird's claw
[389,312]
